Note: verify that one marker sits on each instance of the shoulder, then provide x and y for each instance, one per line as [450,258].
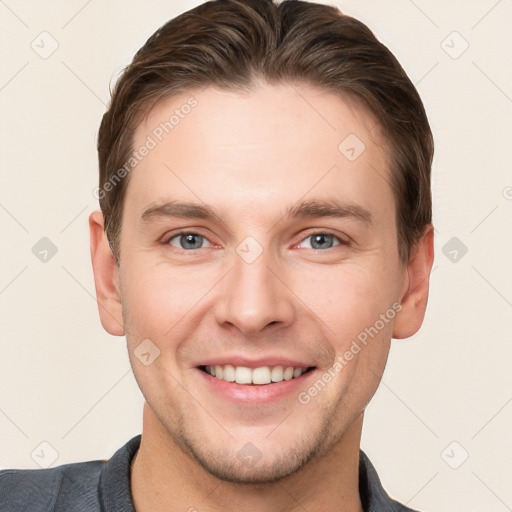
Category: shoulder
[373,495]
[37,490]
[91,486]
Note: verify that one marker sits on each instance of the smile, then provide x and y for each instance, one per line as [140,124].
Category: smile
[254,376]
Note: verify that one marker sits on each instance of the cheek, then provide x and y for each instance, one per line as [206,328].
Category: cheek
[348,299]
[155,299]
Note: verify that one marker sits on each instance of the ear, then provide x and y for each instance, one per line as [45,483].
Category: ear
[106,277]
[416,286]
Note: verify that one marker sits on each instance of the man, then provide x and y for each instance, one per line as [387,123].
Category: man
[265,230]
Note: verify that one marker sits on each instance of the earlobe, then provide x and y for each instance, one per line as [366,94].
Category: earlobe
[106,277]
[414,300]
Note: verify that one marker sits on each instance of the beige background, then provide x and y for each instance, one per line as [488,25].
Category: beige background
[65,382]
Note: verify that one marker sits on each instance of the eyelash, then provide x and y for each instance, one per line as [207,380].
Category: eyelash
[341,241]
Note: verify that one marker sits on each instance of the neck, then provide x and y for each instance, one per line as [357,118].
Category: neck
[164,477]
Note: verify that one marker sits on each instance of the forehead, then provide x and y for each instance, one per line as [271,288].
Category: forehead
[274,145]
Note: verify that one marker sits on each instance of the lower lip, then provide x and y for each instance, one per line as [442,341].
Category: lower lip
[260,394]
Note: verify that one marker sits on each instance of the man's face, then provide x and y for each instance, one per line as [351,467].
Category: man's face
[258,287]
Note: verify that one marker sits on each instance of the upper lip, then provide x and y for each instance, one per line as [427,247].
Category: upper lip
[236,360]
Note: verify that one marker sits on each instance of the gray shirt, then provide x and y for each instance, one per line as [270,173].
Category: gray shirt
[104,486]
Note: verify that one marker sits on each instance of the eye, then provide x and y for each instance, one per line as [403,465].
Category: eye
[187,240]
[323,241]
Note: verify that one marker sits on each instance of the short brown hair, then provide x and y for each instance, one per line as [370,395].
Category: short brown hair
[232,44]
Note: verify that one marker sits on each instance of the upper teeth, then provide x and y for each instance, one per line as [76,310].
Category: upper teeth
[262,375]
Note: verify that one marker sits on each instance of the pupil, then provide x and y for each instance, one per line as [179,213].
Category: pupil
[189,239]
[321,239]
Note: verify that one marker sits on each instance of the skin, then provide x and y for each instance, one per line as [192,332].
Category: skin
[252,156]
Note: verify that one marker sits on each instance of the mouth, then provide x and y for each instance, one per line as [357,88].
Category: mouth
[261,376]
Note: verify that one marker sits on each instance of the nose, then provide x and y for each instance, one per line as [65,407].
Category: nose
[254,297]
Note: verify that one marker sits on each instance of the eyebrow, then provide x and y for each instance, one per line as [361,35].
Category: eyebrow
[181,210]
[302,210]
[330,208]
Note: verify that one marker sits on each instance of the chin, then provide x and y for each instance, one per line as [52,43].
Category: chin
[248,465]
[240,469]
